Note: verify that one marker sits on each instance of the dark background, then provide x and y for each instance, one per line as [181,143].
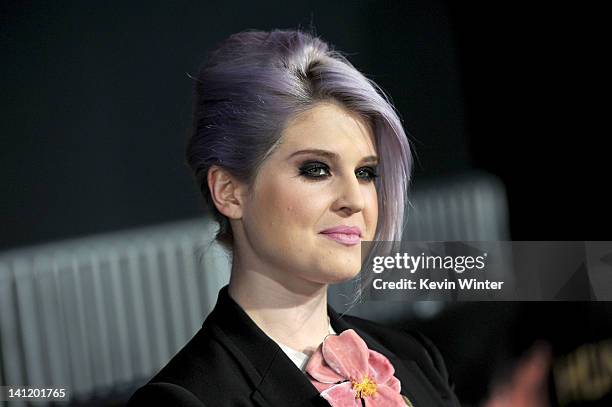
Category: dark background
[96,104]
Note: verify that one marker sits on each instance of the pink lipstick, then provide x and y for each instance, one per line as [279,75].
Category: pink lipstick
[346,235]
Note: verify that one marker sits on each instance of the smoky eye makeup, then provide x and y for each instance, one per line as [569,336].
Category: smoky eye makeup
[314,169]
[369,173]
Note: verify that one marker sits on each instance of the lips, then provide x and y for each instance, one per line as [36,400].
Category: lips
[346,235]
[348,230]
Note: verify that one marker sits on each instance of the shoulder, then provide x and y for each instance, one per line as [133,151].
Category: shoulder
[192,362]
[187,380]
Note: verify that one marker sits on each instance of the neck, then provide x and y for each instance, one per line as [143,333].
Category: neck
[289,310]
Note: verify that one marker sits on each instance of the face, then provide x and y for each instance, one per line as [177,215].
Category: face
[320,177]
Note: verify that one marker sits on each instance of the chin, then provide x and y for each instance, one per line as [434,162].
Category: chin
[341,273]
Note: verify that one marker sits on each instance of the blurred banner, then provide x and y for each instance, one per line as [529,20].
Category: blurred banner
[486,270]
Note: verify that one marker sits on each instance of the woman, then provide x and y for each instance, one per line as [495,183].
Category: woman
[300,158]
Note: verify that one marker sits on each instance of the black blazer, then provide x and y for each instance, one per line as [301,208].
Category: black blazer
[232,362]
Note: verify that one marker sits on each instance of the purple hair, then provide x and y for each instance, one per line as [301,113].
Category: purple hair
[254,82]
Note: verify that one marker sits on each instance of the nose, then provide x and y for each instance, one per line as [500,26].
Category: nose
[350,197]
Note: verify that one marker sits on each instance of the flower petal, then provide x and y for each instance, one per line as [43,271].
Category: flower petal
[394,384]
[347,354]
[321,387]
[341,395]
[380,367]
[318,369]
[385,397]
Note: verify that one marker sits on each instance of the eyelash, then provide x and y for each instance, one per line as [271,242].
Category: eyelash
[306,170]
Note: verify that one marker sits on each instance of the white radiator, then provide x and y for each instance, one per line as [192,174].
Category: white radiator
[97,313]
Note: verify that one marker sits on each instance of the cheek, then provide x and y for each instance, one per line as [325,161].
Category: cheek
[286,208]
[300,214]
[290,219]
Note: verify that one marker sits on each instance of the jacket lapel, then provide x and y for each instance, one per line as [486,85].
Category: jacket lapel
[275,378]
[285,385]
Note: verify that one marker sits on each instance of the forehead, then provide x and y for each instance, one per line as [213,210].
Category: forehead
[329,126]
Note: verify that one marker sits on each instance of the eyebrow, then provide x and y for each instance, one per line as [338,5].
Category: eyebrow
[331,155]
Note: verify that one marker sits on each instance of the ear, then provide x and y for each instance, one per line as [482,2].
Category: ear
[226,192]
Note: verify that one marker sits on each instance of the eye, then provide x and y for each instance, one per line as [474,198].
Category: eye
[314,170]
[366,173]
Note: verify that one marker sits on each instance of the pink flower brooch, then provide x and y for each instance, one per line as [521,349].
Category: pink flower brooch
[346,373]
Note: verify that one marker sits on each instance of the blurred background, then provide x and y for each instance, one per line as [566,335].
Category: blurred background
[500,101]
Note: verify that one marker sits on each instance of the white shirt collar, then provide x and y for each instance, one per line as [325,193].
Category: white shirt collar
[297,357]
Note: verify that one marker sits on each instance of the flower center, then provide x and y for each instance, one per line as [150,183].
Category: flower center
[365,388]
